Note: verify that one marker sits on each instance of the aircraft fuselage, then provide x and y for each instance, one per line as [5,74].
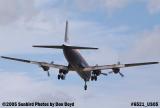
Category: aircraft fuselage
[77,62]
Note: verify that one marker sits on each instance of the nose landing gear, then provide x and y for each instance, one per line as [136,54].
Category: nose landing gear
[85,86]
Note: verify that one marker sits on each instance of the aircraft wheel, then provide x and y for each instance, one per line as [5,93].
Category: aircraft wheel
[92,78]
[95,78]
[85,87]
[59,77]
[62,77]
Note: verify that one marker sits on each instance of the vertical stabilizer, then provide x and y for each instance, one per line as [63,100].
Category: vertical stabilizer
[66,39]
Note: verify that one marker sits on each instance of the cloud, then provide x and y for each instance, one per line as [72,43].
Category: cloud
[12,10]
[88,5]
[109,5]
[114,5]
[18,87]
[146,46]
[38,30]
[154,6]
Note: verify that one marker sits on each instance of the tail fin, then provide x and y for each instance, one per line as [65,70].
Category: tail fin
[66,39]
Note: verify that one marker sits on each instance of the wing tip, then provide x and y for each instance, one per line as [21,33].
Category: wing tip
[4,57]
[35,46]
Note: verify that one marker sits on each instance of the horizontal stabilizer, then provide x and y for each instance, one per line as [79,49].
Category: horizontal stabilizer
[63,46]
[78,47]
[49,46]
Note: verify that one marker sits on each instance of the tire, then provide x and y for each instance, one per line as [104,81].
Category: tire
[92,78]
[62,77]
[59,77]
[85,87]
[95,78]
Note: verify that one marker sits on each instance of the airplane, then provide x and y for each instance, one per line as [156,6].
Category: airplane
[77,63]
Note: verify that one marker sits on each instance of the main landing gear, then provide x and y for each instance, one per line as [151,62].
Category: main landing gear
[62,74]
[94,77]
[95,74]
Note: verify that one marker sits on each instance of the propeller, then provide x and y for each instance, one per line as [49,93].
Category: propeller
[118,63]
[121,74]
[110,72]
[105,74]
[48,73]
[46,69]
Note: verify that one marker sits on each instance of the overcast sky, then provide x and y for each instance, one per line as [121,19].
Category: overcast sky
[124,30]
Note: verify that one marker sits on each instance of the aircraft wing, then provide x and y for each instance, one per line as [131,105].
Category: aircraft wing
[45,64]
[105,67]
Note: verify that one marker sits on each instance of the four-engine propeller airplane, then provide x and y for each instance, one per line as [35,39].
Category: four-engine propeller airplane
[77,63]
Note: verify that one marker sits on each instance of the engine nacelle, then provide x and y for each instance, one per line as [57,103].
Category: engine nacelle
[96,72]
[63,71]
[116,70]
[45,68]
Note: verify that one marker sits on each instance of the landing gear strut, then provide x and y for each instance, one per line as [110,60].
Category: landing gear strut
[85,86]
[48,73]
[95,74]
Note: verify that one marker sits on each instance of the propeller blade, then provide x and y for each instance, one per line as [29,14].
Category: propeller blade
[105,74]
[110,72]
[121,74]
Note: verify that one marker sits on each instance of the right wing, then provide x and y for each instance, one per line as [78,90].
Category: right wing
[45,64]
[115,66]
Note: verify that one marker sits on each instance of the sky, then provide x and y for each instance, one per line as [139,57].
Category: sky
[123,30]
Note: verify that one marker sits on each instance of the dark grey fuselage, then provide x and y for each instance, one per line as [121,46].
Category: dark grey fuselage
[77,62]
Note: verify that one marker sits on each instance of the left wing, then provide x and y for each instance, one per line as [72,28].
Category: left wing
[41,64]
[117,66]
